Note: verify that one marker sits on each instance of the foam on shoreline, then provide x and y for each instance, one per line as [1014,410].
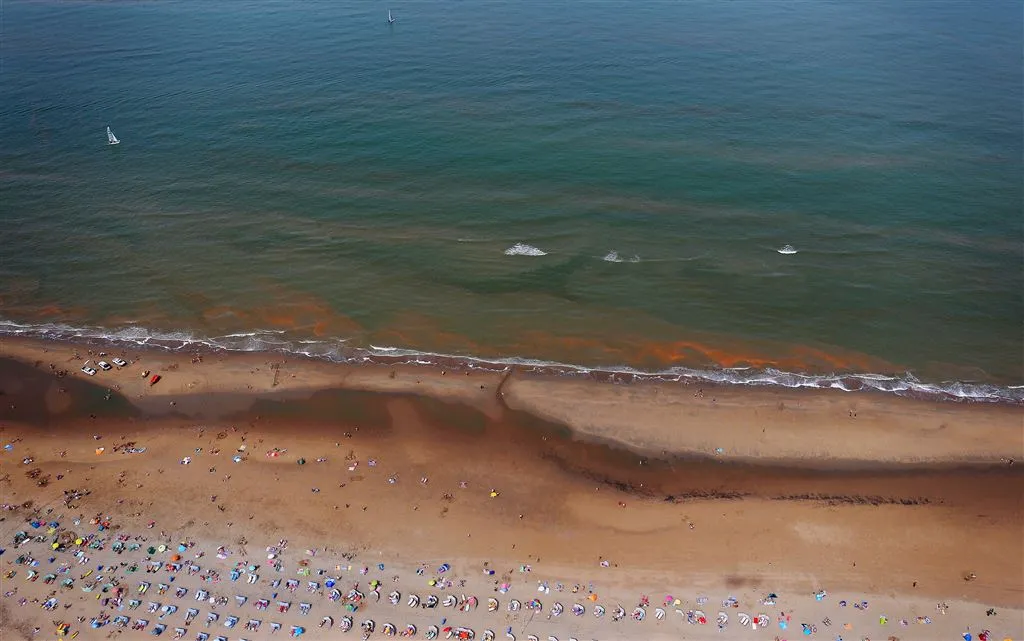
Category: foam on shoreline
[339,351]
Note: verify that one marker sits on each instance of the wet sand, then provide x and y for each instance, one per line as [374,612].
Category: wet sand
[724,492]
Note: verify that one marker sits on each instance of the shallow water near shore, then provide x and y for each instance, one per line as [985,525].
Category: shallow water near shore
[606,189]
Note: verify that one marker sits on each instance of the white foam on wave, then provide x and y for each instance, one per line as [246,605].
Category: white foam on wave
[335,350]
[787,250]
[522,249]
[613,257]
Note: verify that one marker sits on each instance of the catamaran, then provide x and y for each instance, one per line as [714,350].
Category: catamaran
[111,138]
[391,20]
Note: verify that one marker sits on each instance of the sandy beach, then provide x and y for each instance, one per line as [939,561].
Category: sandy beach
[507,485]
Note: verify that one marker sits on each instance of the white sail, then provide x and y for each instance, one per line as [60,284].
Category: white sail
[390,19]
[111,138]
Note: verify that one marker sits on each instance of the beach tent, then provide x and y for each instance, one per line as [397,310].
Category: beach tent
[488,635]
[598,611]
[432,632]
[410,630]
[346,624]
[395,597]
[414,600]
[514,605]
[388,629]
[449,601]
[659,613]
[492,604]
[557,609]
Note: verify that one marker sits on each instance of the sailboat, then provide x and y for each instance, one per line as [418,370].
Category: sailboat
[111,138]
[391,20]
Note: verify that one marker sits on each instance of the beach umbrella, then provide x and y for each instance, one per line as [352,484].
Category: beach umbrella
[598,611]
[578,609]
[639,614]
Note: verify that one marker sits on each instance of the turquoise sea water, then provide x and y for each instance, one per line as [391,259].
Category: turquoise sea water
[305,176]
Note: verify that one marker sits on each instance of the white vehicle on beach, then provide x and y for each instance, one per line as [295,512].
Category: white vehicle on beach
[104,365]
[89,371]
[120,362]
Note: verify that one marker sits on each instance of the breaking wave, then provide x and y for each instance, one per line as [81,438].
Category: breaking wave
[522,249]
[613,257]
[337,350]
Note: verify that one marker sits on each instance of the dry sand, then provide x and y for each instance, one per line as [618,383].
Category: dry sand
[809,491]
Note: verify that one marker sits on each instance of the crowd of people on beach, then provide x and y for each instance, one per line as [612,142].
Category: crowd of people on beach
[145,583]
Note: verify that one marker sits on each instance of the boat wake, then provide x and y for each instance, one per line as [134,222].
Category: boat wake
[338,350]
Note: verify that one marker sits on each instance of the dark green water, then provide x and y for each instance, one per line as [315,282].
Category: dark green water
[303,176]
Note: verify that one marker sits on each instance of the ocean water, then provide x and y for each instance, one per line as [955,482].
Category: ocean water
[598,184]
